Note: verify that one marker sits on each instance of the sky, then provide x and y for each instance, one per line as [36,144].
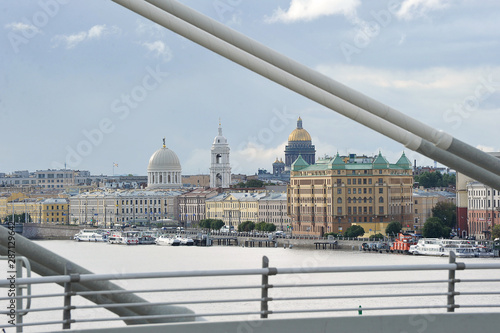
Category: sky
[89,84]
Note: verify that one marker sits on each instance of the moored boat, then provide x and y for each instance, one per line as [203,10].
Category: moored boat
[89,235]
[403,242]
[443,247]
[130,237]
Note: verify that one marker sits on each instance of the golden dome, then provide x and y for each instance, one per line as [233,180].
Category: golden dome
[299,134]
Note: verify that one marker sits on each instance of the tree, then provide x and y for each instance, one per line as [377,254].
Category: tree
[434,228]
[254,183]
[393,228]
[216,224]
[446,212]
[19,218]
[495,231]
[354,231]
[377,236]
[246,226]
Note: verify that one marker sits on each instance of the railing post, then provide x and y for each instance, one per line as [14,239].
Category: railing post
[265,280]
[451,284]
[67,296]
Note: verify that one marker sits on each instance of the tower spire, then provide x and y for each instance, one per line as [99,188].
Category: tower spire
[164,145]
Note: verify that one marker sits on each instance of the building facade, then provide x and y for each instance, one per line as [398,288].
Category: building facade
[423,203]
[332,195]
[220,167]
[234,208]
[192,205]
[273,209]
[483,209]
[106,208]
[55,211]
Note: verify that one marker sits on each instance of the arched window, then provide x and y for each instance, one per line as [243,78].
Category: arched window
[364,200]
[381,200]
[349,200]
[339,200]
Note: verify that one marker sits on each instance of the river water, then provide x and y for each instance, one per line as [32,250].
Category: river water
[106,258]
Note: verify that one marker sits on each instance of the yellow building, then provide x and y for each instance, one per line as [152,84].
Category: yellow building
[55,211]
[333,194]
[234,208]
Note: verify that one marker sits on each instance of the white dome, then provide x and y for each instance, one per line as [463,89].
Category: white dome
[164,159]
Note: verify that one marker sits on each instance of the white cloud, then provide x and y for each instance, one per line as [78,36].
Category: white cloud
[95,32]
[308,10]
[254,156]
[411,9]
[487,149]
[22,27]
[442,78]
[159,50]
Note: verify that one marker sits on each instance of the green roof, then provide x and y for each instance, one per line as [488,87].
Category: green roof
[404,162]
[380,162]
[299,164]
[337,163]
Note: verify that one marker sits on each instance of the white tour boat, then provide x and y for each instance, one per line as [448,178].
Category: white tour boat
[89,235]
[130,237]
[443,247]
[168,240]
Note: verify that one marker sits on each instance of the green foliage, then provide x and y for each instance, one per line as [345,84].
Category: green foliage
[216,224]
[246,226]
[446,212]
[263,226]
[354,231]
[333,234]
[377,236]
[434,228]
[495,231]
[211,224]
[435,179]
[393,228]
[251,183]
[18,218]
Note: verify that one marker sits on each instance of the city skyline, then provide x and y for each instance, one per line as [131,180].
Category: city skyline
[93,84]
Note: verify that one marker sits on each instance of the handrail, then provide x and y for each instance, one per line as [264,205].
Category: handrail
[72,307]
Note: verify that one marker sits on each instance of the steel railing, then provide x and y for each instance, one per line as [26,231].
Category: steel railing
[70,308]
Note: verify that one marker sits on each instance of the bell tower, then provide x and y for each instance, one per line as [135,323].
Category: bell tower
[220,169]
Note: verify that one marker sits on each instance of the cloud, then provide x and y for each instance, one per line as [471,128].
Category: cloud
[95,32]
[308,10]
[22,27]
[249,158]
[159,50]
[442,78]
[486,149]
[411,9]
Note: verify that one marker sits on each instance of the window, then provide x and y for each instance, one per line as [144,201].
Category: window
[381,210]
[339,200]
[348,191]
[380,190]
[381,200]
[348,181]
[339,210]
[339,191]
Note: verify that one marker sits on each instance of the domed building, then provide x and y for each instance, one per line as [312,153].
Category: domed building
[299,143]
[164,169]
